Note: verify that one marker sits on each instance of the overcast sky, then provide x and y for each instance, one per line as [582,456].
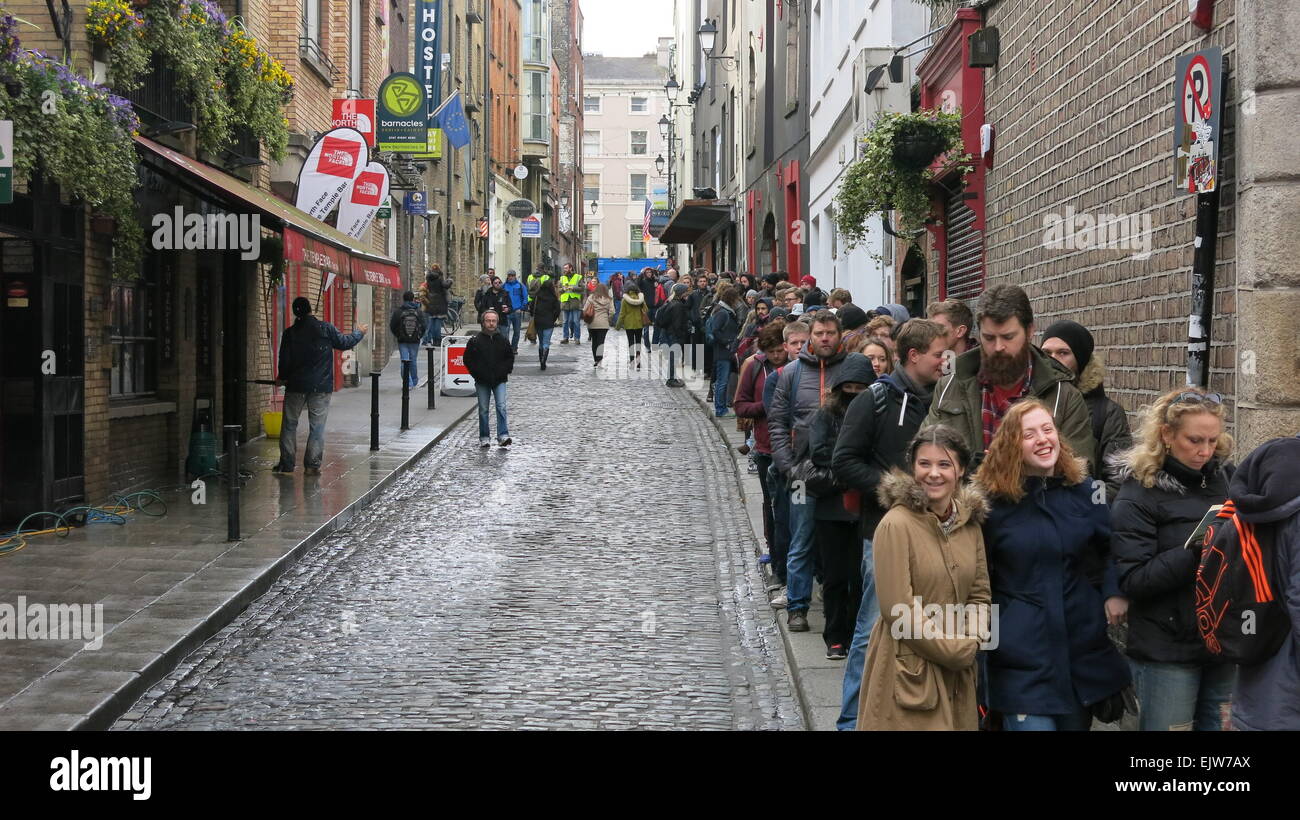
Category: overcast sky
[625,28]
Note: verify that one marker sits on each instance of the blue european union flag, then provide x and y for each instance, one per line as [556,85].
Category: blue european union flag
[451,119]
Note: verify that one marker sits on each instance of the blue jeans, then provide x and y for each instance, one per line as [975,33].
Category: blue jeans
[1079,721]
[1185,696]
[433,331]
[573,324]
[544,337]
[318,408]
[618,307]
[868,612]
[799,561]
[516,320]
[721,375]
[485,396]
[410,352]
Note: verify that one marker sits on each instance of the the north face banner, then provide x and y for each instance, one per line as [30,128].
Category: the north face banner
[334,162]
[368,192]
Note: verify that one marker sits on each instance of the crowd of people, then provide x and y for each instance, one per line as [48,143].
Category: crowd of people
[948,463]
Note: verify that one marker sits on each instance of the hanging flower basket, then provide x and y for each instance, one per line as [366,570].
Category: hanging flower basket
[896,170]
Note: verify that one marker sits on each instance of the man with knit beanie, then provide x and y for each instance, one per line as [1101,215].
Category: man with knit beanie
[1071,344]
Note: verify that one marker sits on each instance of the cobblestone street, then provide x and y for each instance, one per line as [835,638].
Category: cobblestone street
[589,576]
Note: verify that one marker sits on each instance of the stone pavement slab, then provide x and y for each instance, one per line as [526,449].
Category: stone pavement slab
[165,584]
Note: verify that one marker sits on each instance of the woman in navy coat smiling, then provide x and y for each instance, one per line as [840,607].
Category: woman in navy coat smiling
[1053,659]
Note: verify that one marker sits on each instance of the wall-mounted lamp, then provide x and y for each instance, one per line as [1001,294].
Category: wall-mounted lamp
[672,87]
[708,35]
[659,164]
[664,125]
[593,207]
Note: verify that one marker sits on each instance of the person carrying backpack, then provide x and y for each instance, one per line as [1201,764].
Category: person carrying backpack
[1265,490]
[1169,479]
[408,324]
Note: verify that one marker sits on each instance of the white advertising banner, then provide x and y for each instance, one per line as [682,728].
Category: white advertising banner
[368,192]
[334,162]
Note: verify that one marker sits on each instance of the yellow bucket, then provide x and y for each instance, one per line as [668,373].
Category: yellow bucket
[271,421]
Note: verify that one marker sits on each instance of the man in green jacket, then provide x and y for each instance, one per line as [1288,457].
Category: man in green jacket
[983,383]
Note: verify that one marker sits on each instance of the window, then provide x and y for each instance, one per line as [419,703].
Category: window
[591,239]
[637,186]
[640,105]
[536,29]
[133,337]
[591,105]
[717,160]
[591,187]
[792,68]
[639,142]
[590,143]
[636,240]
[536,94]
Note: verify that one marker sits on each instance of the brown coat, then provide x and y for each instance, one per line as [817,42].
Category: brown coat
[912,683]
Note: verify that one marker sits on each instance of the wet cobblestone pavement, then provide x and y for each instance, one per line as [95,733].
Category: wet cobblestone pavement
[598,574]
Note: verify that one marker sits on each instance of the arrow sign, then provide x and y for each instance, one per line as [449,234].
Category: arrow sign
[460,381]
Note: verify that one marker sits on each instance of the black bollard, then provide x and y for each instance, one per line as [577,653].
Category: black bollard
[433,387]
[406,395]
[673,381]
[374,410]
[232,482]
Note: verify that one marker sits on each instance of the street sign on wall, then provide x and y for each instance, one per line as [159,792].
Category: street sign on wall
[532,226]
[415,202]
[427,68]
[1198,106]
[356,114]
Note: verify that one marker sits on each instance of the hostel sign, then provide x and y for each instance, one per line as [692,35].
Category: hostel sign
[1198,108]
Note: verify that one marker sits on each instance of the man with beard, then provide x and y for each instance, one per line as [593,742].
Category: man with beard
[1004,369]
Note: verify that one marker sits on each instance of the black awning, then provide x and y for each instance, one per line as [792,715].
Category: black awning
[695,218]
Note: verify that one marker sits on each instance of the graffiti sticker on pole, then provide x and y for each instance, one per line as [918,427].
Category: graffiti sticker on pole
[1198,106]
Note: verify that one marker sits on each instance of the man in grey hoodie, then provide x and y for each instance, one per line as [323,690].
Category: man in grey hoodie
[797,396]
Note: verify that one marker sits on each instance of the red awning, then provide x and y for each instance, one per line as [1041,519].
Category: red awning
[375,273]
[238,193]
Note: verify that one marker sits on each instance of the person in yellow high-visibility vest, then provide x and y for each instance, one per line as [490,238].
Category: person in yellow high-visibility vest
[572,293]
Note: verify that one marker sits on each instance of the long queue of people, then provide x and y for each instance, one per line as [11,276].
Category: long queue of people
[912,471]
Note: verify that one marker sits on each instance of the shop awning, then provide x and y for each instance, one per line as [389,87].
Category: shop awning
[279,214]
[695,218]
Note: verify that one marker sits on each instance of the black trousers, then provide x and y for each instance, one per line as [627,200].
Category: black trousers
[840,547]
[633,338]
[597,342]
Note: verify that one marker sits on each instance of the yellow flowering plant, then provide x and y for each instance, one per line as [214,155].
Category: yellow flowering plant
[116,28]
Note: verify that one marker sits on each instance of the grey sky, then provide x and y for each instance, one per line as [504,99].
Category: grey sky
[625,28]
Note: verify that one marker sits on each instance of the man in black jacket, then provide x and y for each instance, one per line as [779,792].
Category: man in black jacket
[306,368]
[489,359]
[877,429]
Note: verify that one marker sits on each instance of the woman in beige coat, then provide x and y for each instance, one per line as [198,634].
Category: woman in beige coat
[929,550]
[601,307]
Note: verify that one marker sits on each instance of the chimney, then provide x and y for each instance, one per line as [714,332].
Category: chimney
[664,51]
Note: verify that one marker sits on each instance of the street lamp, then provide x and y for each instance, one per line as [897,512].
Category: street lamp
[593,207]
[564,201]
[664,125]
[708,34]
[659,165]
[672,87]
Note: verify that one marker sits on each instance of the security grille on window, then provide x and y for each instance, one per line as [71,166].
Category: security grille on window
[639,142]
[637,185]
[591,105]
[636,240]
[964,269]
[590,143]
[640,105]
[133,338]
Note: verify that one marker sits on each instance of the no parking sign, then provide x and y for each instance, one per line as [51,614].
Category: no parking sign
[1198,106]
[456,380]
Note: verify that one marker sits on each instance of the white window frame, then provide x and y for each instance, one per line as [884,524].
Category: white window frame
[631,143]
[599,104]
[585,132]
[600,184]
[631,105]
[640,233]
[591,244]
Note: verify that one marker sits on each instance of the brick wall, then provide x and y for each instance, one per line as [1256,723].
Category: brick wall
[140,454]
[1082,100]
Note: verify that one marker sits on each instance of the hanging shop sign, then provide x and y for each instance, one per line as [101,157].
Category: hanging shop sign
[402,119]
[356,114]
[427,68]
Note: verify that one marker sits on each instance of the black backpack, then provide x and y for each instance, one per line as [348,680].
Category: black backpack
[1238,613]
[409,328]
